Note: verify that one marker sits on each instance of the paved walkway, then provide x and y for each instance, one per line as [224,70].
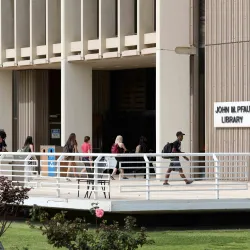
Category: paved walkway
[134,189]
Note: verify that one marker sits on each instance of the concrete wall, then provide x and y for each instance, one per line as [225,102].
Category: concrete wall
[31,30]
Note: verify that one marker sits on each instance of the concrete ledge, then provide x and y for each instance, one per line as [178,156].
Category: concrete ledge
[40,61]
[111,54]
[128,206]
[10,53]
[57,48]
[75,46]
[92,57]
[130,53]
[9,64]
[148,51]
[112,43]
[55,59]
[41,50]
[24,63]
[130,41]
[25,52]
[74,58]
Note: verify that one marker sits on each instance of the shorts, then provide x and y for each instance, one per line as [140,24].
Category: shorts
[69,158]
[175,165]
[86,159]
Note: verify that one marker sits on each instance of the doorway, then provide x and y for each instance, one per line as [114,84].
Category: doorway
[55,107]
[130,108]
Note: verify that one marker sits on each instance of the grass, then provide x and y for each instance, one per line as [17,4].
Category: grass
[20,236]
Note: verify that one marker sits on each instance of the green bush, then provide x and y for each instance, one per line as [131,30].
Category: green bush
[76,235]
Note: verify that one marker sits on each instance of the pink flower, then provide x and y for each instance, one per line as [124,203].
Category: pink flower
[99,213]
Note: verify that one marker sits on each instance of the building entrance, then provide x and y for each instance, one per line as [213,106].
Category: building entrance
[124,104]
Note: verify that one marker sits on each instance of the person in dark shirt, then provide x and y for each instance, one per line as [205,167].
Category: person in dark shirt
[3,144]
[175,164]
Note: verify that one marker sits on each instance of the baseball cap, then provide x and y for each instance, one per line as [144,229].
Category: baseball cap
[179,133]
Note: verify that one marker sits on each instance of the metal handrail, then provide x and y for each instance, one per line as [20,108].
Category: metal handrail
[220,174]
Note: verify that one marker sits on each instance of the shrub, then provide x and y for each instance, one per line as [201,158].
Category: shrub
[11,198]
[76,235]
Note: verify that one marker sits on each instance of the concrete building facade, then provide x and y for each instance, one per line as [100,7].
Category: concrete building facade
[85,40]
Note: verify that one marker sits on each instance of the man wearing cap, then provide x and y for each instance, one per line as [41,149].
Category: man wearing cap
[175,164]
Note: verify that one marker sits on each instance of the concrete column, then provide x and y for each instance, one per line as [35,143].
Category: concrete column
[6,105]
[173,100]
[76,89]
[76,105]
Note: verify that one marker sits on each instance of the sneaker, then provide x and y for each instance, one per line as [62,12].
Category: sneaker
[112,178]
[68,179]
[125,178]
[189,182]
[166,184]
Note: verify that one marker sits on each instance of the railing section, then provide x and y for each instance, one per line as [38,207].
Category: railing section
[214,176]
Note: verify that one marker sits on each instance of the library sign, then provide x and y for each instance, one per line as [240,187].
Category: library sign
[231,114]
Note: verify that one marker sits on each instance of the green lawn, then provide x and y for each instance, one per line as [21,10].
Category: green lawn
[20,236]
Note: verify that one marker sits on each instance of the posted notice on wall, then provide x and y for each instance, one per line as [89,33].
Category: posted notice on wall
[231,114]
[55,133]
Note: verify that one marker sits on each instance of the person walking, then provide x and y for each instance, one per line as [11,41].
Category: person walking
[28,146]
[175,164]
[86,149]
[71,147]
[118,148]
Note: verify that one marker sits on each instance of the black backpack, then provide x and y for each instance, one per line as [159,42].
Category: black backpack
[167,150]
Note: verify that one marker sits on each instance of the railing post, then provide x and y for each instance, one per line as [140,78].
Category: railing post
[26,168]
[97,160]
[58,171]
[147,177]
[1,158]
[216,171]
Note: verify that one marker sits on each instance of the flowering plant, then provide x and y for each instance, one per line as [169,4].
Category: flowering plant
[96,211]
[75,234]
[99,213]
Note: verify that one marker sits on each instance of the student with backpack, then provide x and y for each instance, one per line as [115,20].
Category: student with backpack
[175,164]
[118,148]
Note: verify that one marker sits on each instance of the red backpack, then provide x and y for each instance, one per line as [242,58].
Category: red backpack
[115,149]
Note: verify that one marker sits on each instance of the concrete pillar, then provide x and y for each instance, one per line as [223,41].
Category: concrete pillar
[173,101]
[76,105]
[6,105]
[76,88]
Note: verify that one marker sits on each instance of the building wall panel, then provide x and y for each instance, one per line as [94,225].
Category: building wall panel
[227,21]
[32,106]
[227,80]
